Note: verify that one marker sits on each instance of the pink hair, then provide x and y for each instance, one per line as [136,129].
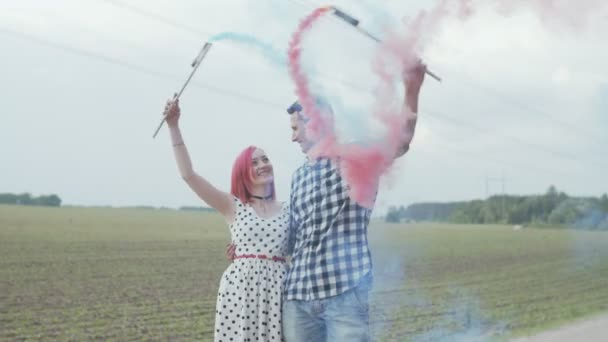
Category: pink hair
[242,176]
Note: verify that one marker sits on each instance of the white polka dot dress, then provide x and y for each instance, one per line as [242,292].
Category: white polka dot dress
[249,300]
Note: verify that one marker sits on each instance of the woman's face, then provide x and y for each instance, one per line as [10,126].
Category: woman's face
[261,167]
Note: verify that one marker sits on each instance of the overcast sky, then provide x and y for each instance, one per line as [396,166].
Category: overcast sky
[83,84]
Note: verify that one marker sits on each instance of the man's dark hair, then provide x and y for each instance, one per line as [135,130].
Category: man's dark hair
[295,107]
[321,102]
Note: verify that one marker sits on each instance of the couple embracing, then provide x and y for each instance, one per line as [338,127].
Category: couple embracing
[301,269]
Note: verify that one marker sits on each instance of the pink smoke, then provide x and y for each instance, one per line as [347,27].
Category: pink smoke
[360,166]
[554,14]
[563,14]
[317,123]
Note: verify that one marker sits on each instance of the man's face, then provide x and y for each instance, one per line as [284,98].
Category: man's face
[298,132]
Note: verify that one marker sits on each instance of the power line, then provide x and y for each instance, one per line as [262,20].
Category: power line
[459,122]
[526,107]
[518,165]
[152,72]
[142,12]
[302,4]
[81,52]
[502,135]
[307,4]
[496,93]
[134,67]
[257,100]
[502,180]
[463,122]
[197,32]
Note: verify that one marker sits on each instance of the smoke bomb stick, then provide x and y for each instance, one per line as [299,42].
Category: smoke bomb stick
[355,23]
[195,64]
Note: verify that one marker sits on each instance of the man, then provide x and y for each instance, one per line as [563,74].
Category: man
[330,273]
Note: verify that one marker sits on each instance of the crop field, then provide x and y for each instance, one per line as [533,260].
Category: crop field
[136,274]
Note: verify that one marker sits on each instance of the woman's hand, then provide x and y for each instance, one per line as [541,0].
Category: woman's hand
[172,112]
[230,252]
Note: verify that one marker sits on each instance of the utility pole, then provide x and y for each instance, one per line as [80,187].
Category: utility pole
[502,180]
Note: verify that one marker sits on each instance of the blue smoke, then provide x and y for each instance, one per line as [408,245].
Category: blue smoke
[269,52]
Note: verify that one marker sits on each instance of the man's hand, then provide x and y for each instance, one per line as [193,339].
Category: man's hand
[230,251]
[412,80]
[414,77]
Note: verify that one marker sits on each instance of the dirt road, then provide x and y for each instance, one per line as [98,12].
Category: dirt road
[595,329]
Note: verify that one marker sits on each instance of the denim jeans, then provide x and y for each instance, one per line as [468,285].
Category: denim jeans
[344,317]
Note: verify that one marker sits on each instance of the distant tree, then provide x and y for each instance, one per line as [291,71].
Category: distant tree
[24,199]
[27,199]
[518,212]
[603,225]
[568,212]
[553,207]
[190,208]
[552,192]
[8,199]
[47,201]
[429,211]
[54,200]
[392,215]
[587,212]
[145,207]
[604,203]
[459,216]
[402,212]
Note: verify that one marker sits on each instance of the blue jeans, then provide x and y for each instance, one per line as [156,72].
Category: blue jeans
[344,317]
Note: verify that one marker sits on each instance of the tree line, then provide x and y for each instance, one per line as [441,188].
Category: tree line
[27,199]
[551,208]
[55,201]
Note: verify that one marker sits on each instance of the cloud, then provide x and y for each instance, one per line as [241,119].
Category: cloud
[91,141]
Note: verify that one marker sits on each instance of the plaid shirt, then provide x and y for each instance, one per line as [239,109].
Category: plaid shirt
[329,234]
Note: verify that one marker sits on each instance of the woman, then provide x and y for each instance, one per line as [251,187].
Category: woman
[249,300]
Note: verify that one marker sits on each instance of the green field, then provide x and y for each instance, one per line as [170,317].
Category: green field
[133,274]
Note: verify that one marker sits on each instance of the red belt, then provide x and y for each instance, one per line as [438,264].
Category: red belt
[259,256]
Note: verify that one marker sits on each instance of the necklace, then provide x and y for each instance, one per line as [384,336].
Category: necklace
[265,198]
